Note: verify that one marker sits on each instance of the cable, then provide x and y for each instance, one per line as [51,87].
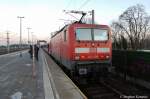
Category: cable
[68,4]
[86,1]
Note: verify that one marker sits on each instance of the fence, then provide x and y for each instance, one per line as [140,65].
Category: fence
[132,63]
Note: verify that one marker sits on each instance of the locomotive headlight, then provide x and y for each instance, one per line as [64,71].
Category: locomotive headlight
[107,57]
[77,57]
[93,44]
[82,56]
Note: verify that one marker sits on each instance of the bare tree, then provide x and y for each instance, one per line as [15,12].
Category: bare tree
[119,39]
[134,23]
[147,42]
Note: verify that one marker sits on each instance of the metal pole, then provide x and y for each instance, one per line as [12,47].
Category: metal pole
[33,62]
[33,59]
[20,34]
[93,17]
[28,35]
[8,42]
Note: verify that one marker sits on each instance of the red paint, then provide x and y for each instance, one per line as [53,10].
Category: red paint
[65,50]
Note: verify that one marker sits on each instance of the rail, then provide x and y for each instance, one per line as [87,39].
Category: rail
[113,89]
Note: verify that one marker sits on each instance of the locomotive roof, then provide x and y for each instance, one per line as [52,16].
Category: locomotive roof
[57,32]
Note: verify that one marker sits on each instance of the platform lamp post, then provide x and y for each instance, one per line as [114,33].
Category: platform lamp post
[33,57]
[20,17]
[8,42]
[29,35]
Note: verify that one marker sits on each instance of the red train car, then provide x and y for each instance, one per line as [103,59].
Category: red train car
[82,48]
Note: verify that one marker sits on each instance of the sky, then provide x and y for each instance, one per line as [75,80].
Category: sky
[46,16]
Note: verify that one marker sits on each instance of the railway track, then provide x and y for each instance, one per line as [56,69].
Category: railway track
[127,88]
[113,88]
[11,50]
[99,90]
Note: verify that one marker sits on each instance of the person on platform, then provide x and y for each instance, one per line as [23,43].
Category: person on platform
[31,51]
[36,51]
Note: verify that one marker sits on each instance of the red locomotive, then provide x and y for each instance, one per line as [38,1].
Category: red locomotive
[82,48]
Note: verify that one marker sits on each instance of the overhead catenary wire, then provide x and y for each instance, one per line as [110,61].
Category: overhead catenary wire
[84,4]
[59,13]
[70,14]
[69,3]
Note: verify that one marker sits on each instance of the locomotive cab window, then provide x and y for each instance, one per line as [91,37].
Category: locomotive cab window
[83,34]
[91,34]
[100,35]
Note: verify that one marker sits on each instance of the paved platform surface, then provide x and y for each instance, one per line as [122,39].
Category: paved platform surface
[50,82]
[62,86]
[16,81]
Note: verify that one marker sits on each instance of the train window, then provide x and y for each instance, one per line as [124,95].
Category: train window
[101,35]
[83,34]
[65,35]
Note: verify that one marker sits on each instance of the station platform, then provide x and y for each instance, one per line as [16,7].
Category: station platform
[61,84]
[17,81]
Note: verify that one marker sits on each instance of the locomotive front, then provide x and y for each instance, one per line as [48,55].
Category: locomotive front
[92,48]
